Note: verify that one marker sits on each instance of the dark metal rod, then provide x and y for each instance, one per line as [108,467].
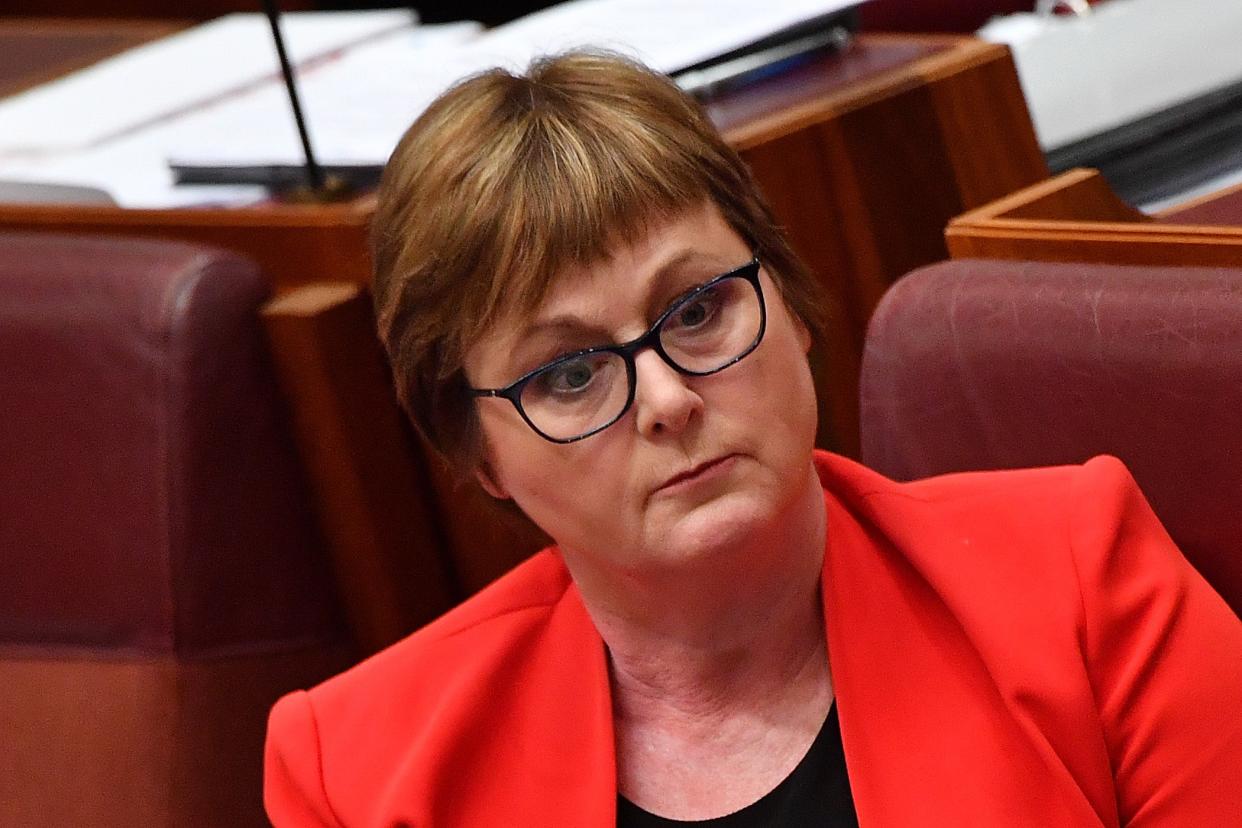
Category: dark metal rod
[313,171]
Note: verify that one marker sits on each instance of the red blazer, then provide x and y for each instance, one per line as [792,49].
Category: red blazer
[1007,649]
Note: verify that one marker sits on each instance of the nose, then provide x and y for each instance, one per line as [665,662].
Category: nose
[663,401]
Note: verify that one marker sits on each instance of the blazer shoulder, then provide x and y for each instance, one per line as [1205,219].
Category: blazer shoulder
[1018,526]
[852,481]
[482,628]
[380,735]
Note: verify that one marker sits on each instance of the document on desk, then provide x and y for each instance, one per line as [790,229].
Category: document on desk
[359,105]
[1126,59]
[363,79]
[178,73]
[133,168]
[667,35]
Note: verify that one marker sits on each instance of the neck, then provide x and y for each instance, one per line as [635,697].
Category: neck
[730,635]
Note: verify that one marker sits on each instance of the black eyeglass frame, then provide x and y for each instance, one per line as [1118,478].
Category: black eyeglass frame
[628,350]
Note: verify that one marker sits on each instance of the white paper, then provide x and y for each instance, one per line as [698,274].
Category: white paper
[359,105]
[172,75]
[1221,182]
[134,169]
[358,100]
[1127,59]
[667,35]
[131,170]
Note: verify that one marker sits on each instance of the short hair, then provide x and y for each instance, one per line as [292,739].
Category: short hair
[507,180]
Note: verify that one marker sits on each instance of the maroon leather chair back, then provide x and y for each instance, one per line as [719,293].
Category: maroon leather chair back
[988,364]
[1223,207]
[160,581]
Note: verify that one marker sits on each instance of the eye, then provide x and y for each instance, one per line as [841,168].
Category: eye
[695,312]
[574,376]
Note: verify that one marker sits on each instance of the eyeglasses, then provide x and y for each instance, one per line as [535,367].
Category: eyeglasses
[582,393]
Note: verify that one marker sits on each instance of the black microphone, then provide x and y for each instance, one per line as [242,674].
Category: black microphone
[318,186]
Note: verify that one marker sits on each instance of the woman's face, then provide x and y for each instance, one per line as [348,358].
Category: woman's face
[696,463]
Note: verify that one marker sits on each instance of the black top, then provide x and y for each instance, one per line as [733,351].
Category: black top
[817,792]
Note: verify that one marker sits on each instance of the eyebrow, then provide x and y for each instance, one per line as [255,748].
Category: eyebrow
[569,323]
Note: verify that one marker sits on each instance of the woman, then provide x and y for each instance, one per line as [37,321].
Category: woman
[589,309]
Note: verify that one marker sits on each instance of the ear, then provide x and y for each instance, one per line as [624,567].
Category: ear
[802,332]
[489,481]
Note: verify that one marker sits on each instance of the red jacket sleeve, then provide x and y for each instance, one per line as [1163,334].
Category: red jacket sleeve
[1165,658]
[293,790]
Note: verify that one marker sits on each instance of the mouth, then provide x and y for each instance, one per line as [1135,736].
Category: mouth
[697,474]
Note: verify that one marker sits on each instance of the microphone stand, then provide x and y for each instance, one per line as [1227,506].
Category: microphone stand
[319,188]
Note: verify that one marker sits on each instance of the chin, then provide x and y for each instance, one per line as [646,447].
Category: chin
[725,523]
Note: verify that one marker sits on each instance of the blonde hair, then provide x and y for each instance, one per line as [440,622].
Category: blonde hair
[507,180]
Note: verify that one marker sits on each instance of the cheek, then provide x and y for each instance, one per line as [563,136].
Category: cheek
[782,391]
[574,492]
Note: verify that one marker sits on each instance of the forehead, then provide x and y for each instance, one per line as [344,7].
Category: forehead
[696,244]
[612,297]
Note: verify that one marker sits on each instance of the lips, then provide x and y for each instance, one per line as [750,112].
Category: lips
[694,472]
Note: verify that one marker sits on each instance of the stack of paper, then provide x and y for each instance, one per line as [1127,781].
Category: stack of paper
[1127,59]
[178,73]
[113,125]
[359,106]
[362,82]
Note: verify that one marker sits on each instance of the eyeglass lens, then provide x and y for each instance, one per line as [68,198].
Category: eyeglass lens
[701,334]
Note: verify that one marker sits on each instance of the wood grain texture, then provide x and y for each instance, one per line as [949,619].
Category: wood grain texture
[863,156]
[36,50]
[1075,217]
[373,498]
[295,244]
[150,9]
[117,741]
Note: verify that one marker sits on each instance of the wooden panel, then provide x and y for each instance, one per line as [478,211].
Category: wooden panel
[408,535]
[1221,207]
[825,230]
[1078,194]
[115,740]
[295,244]
[485,537]
[1075,217]
[372,493]
[864,158]
[183,9]
[36,50]
[985,127]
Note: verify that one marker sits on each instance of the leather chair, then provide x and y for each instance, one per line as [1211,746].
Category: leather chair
[160,576]
[1223,207]
[998,364]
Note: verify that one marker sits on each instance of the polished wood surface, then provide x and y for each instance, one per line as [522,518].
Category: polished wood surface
[34,51]
[1075,217]
[408,536]
[296,244]
[144,9]
[863,157]
[374,500]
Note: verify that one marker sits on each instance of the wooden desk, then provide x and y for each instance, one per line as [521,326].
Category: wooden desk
[863,156]
[34,51]
[1076,217]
